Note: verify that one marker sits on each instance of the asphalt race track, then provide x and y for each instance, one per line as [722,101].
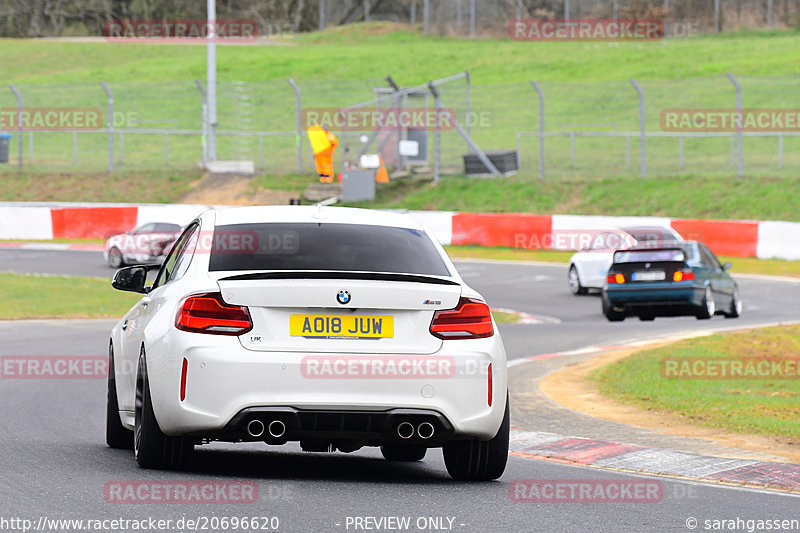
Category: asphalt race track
[54,463]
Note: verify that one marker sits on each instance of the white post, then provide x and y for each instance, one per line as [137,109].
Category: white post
[472,18]
[770,16]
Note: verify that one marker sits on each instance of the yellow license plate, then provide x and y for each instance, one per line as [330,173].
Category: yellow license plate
[352,326]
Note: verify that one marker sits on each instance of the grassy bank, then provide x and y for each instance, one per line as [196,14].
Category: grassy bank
[680,197]
[767,406]
[383,44]
[586,86]
[141,186]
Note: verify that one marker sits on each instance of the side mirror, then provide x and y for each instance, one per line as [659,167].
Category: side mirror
[727,266]
[132,279]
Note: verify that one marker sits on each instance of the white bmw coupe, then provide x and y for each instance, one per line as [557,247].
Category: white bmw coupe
[338,328]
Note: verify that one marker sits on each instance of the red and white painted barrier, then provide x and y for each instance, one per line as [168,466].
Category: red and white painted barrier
[739,238]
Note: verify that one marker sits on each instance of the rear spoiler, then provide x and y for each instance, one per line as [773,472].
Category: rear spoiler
[377,276]
[650,255]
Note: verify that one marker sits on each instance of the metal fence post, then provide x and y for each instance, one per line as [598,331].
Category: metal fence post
[566,9]
[414,13]
[19,125]
[469,103]
[716,16]
[366,10]
[204,127]
[642,141]
[628,152]
[321,15]
[733,151]
[299,123]
[739,162]
[426,16]
[437,137]
[541,128]
[572,148]
[110,125]
[615,10]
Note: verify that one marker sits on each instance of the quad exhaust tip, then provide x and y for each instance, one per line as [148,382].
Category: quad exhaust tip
[405,430]
[425,430]
[277,429]
[255,428]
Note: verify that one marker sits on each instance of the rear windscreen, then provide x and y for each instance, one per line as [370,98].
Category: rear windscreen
[652,256]
[321,246]
[650,234]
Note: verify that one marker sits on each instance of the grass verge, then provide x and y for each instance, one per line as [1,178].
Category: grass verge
[28,296]
[753,406]
[501,317]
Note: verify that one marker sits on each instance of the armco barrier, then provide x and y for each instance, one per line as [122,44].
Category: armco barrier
[489,229]
[92,222]
[738,238]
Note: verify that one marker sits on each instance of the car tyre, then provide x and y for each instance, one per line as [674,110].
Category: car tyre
[574,282]
[115,258]
[117,435]
[610,314]
[479,460]
[735,309]
[397,452]
[709,306]
[154,449]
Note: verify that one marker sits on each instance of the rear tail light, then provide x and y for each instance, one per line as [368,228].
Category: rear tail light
[683,275]
[472,319]
[208,313]
[616,278]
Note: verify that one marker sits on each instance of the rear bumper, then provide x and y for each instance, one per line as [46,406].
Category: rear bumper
[665,300]
[367,427]
[227,385]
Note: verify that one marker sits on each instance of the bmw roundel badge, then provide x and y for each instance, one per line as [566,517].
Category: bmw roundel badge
[343,297]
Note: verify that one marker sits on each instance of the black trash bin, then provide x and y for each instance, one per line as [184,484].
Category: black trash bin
[5,142]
